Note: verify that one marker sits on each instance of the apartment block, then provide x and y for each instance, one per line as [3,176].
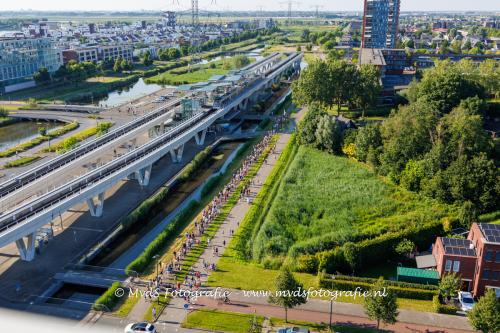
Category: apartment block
[380,24]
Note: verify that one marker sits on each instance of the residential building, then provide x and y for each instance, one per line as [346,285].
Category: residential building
[475,259]
[20,58]
[380,24]
[396,69]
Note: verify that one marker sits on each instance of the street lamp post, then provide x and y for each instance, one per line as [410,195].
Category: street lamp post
[331,305]
[156,257]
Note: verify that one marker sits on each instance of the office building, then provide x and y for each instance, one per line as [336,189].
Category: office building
[380,24]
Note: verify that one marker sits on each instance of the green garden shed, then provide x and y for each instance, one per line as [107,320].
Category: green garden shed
[415,275]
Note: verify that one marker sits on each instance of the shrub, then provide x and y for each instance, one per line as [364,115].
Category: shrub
[21,161]
[443,308]
[108,299]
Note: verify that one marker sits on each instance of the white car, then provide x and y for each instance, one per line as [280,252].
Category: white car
[466,301]
[140,327]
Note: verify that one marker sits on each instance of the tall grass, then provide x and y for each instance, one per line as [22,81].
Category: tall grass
[325,200]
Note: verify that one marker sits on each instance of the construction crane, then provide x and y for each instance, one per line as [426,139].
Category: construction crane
[290,4]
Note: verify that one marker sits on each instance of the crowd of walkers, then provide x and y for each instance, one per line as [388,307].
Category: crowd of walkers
[166,279]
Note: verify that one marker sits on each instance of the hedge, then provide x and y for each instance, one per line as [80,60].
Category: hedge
[261,204]
[39,140]
[172,230]
[387,282]
[109,299]
[193,166]
[411,293]
[378,249]
[80,136]
[21,161]
[443,308]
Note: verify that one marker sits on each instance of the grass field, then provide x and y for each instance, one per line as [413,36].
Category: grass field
[326,200]
[193,74]
[213,320]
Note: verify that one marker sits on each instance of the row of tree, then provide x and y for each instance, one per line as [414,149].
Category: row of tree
[185,50]
[75,71]
[338,82]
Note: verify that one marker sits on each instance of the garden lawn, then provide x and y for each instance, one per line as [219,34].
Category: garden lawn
[214,320]
[326,200]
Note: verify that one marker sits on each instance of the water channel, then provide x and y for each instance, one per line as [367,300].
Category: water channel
[22,131]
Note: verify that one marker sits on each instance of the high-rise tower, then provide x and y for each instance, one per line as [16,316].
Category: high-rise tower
[380,24]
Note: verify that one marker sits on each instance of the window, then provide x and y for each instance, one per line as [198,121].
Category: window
[486,274]
[497,259]
[489,256]
[456,266]
[495,275]
[447,266]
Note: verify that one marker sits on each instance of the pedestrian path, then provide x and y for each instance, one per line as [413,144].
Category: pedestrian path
[176,312]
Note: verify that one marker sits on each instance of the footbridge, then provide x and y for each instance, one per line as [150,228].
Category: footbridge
[20,224]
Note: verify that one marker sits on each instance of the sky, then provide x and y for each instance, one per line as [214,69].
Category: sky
[219,5]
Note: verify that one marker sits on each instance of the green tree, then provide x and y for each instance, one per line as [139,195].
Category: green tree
[328,134]
[314,85]
[367,137]
[42,131]
[69,143]
[405,247]
[485,315]
[444,87]
[306,129]
[4,113]
[467,214]
[288,291]
[406,135]
[351,255]
[381,304]
[147,59]
[449,285]
[117,67]
[368,88]
[42,76]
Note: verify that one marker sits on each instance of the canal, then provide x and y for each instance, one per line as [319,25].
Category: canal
[22,131]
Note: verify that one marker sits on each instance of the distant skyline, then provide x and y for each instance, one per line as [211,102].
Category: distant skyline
[234,5]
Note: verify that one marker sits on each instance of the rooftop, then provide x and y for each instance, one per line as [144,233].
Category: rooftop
[491,232]
[458,247]
[371,57]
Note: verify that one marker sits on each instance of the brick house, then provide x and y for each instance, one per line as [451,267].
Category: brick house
[476,259]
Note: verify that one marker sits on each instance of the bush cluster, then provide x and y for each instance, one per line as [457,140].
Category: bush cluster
[443,308]
[39,140]
[108,300]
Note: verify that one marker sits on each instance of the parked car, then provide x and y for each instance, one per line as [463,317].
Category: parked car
[293,330]
[140,327]
[466,301]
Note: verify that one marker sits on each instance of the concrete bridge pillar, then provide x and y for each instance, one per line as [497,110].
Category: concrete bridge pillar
[144,175]
[200,137]
[96,208]
[27,248]
[176,154]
